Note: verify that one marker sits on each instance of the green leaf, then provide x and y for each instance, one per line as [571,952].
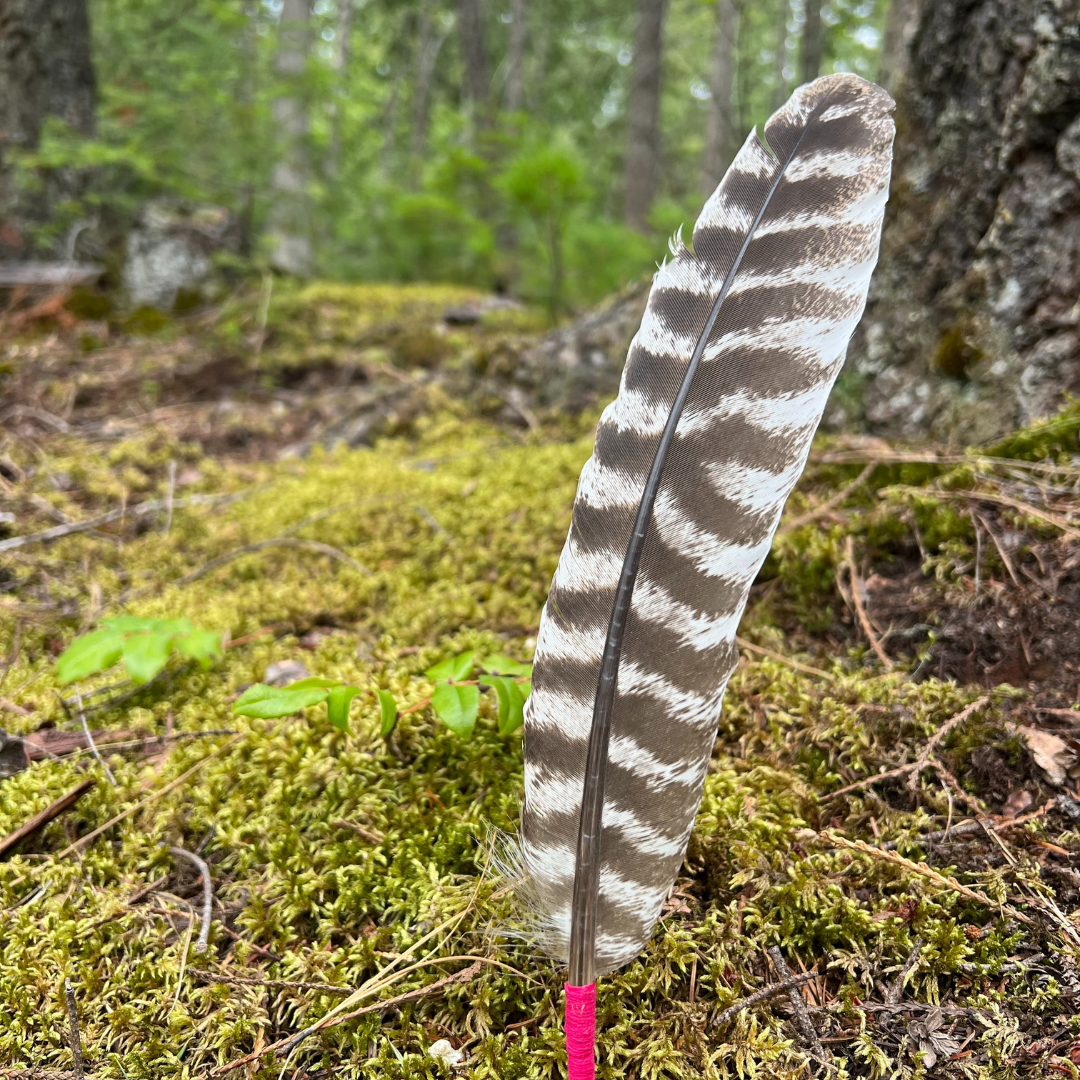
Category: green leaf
[511,702]
[89,654]
[201,645]
[388,708]
[456,707]
[145,654]
[338,701]
[498,664]
[268,702]
[313,681]
[456,669]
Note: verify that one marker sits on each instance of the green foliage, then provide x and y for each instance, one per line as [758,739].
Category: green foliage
[401,186]
[142,645]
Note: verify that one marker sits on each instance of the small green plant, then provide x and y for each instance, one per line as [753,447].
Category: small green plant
[143,646]
[455,699]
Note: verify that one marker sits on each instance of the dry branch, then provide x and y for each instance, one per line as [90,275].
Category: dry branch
[860,610]
[142,802]
[802,1016]
[39,820]
[152,506]
[763,995]
[924,760]
[208,894]
[274,541]
[939,879]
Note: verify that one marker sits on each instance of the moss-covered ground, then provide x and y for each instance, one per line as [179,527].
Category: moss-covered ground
[339,859]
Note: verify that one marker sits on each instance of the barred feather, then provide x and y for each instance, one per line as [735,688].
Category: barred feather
[793,233]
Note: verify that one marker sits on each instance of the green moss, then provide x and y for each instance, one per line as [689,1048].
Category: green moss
[460,526]
[956,352]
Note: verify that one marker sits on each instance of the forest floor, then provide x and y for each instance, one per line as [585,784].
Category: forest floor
[349,486]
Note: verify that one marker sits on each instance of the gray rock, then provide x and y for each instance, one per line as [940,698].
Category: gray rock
[171,249]
[284,672]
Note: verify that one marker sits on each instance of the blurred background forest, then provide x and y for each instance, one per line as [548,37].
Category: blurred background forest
[542,148]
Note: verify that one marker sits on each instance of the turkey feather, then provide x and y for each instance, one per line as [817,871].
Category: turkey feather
[723,389]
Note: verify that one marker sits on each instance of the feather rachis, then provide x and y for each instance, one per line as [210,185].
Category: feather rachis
[766,366]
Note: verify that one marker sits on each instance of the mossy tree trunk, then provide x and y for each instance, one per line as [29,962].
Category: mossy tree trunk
[973,324]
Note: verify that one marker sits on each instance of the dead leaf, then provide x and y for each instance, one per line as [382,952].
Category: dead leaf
[1051,754]
[1016,804]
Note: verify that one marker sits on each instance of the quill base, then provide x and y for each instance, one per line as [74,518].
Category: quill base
[581,1031]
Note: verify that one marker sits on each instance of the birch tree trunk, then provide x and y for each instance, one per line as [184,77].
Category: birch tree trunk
[515,61]
[813,41]
[340,64]
[289,219]
[476,77]
[780,89]
[719,130]
[45,71]
[643,151]
[973,324]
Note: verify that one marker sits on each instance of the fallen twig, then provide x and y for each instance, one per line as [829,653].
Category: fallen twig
[971,828]
[208,894]
[860,609]
[274,541]
[896,990]
[142,802]
[802,1016]
[39,820]
[283,1046]
[939,879]
[151,506]
[772,655]
[924,760]
[283,984]
[73,1022]
[90,740]
[829,504]
[763,995]
[375,838]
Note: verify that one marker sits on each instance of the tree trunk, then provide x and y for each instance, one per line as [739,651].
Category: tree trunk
[643,153]
[45,71]
[428,46]
[340,64]
[813,41]
[289,230]
[477,78]
[515,61]
[719,129]
[900,27]
[973,324]
[780,89]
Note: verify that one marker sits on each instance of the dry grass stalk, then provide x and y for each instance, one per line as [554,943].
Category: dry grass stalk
[860,608]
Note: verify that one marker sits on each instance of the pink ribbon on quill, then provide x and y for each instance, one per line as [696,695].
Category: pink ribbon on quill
[581,1031]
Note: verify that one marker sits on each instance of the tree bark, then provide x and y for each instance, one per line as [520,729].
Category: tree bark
[289,230]
[780,89]
[429,44]
[719,129]
[973,324]
[643,153]
[45,71]
[900,27]
[515,60]
[813,41]
[340,64]
[477,78]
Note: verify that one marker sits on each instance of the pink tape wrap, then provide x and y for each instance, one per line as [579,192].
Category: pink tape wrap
[581,1031]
